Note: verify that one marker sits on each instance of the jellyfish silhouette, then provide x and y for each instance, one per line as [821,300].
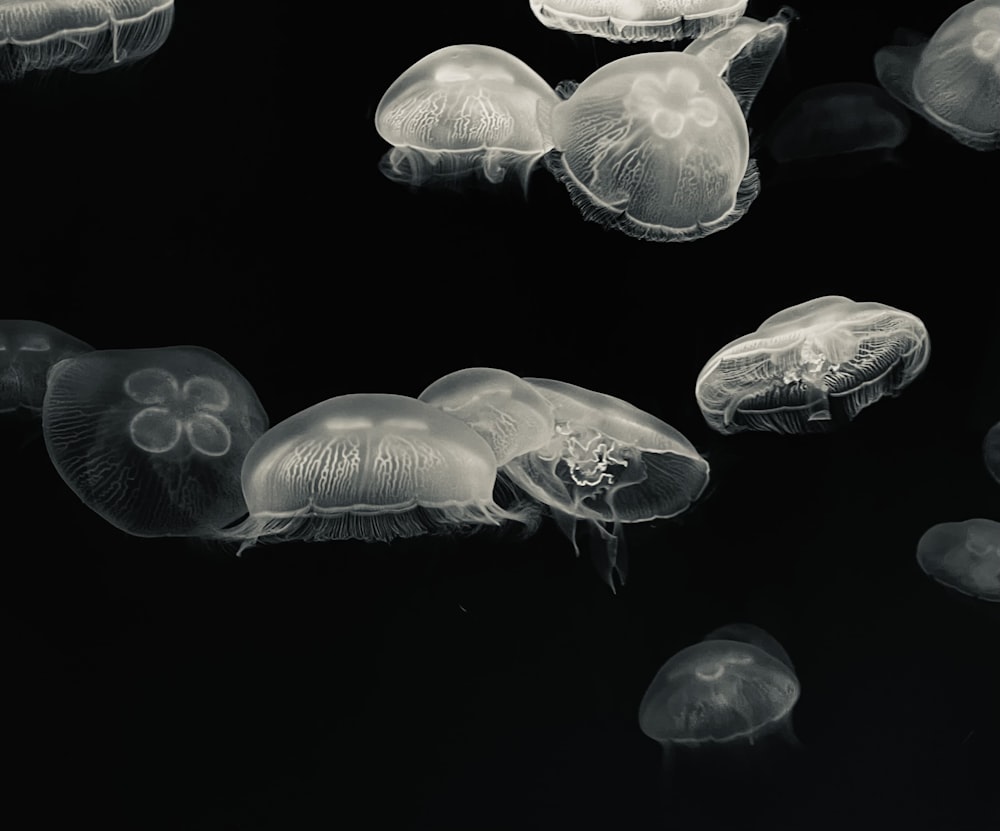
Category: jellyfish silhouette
[811,367]
[153,440]
[638,21]
[368,467]
[607,463]
[28,350]
[964,556]
[461,110]
[953,80]
[991,451]
[79,35]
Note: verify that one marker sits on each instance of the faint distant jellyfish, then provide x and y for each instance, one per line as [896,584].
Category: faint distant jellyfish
[953,80]
[153,440]
[368,467]
[811,367]
[964,556]
[608,463]
[464,109]
[28,349]
[79,35]
[991,451]
[635,21]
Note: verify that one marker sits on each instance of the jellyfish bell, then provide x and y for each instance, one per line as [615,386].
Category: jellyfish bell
[753,635]
[964,556]
[28,350]
[991,451]
[465,109]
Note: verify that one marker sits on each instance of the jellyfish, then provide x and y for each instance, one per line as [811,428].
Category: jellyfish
[153,440]
[464,109]
[964,556]
[28,349]
[370,467]
[607,463]
[811,367]
[991,451]
[952,80]
[80,35]
[639,21]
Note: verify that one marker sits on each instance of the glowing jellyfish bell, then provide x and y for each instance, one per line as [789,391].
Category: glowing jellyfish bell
[953,80]
[79,35]
[464,109]
[607,463]
[28,350]
[991,451]
[811,367]
[964,556]
[368,467]
[153,440]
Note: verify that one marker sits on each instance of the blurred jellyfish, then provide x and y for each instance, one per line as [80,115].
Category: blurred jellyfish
[635,21]
[964,556]
[369,467]
[991,451]
[811,367]
[953,80]
[753,635]
[464,109]
[153,440]
[28,349]
[79,35]
[607,463]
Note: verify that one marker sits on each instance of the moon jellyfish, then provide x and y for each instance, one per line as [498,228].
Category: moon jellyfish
[607,463]
[79,35]
[991,451]
[153,440]
[368,467]
[636,21]
[964,556]
[464,109]
[28,349]
[953,80]
[811,367]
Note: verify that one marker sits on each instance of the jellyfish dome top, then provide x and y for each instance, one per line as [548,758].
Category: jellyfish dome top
[991,451]
[811,367]
[370,467]
[28,350]
[639,21]
[607,462]
[80,35]
[964,556]
[953,80]
[464,109]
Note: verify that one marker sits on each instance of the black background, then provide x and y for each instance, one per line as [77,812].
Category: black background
[226,193]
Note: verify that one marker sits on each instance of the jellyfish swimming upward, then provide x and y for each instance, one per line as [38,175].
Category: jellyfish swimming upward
[28,350]
[964,556]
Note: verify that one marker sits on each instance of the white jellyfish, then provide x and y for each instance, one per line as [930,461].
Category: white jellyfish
[964,556]
[28,350]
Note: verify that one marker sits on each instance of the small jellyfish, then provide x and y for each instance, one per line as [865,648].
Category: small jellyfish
[28,349]
[607,463]
[964,556]
[153,440]
[991,451]
[953,80]
[811,367]
[79,35]
[639,21]
[464,109]
[368,467]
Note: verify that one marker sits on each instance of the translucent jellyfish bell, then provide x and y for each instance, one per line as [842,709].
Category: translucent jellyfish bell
[991,451]
[608,462]
[964,556]
[637,21]
[79,35]
[811,367]
[153,440]
[368,467]
[28,350]
[464,109]
[953,80]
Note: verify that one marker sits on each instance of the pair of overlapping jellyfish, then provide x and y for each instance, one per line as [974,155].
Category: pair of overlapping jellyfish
[653,145]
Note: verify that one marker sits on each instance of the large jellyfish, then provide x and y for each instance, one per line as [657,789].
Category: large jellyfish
[607,463]
[656,145]
[369,467]
[964,556]
[811,367]
[953,80]
[464,109]
[635,21]
[28,349]
[991,451]
[79,35]
[153,440]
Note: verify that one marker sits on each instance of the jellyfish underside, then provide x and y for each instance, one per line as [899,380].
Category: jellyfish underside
[964,556]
